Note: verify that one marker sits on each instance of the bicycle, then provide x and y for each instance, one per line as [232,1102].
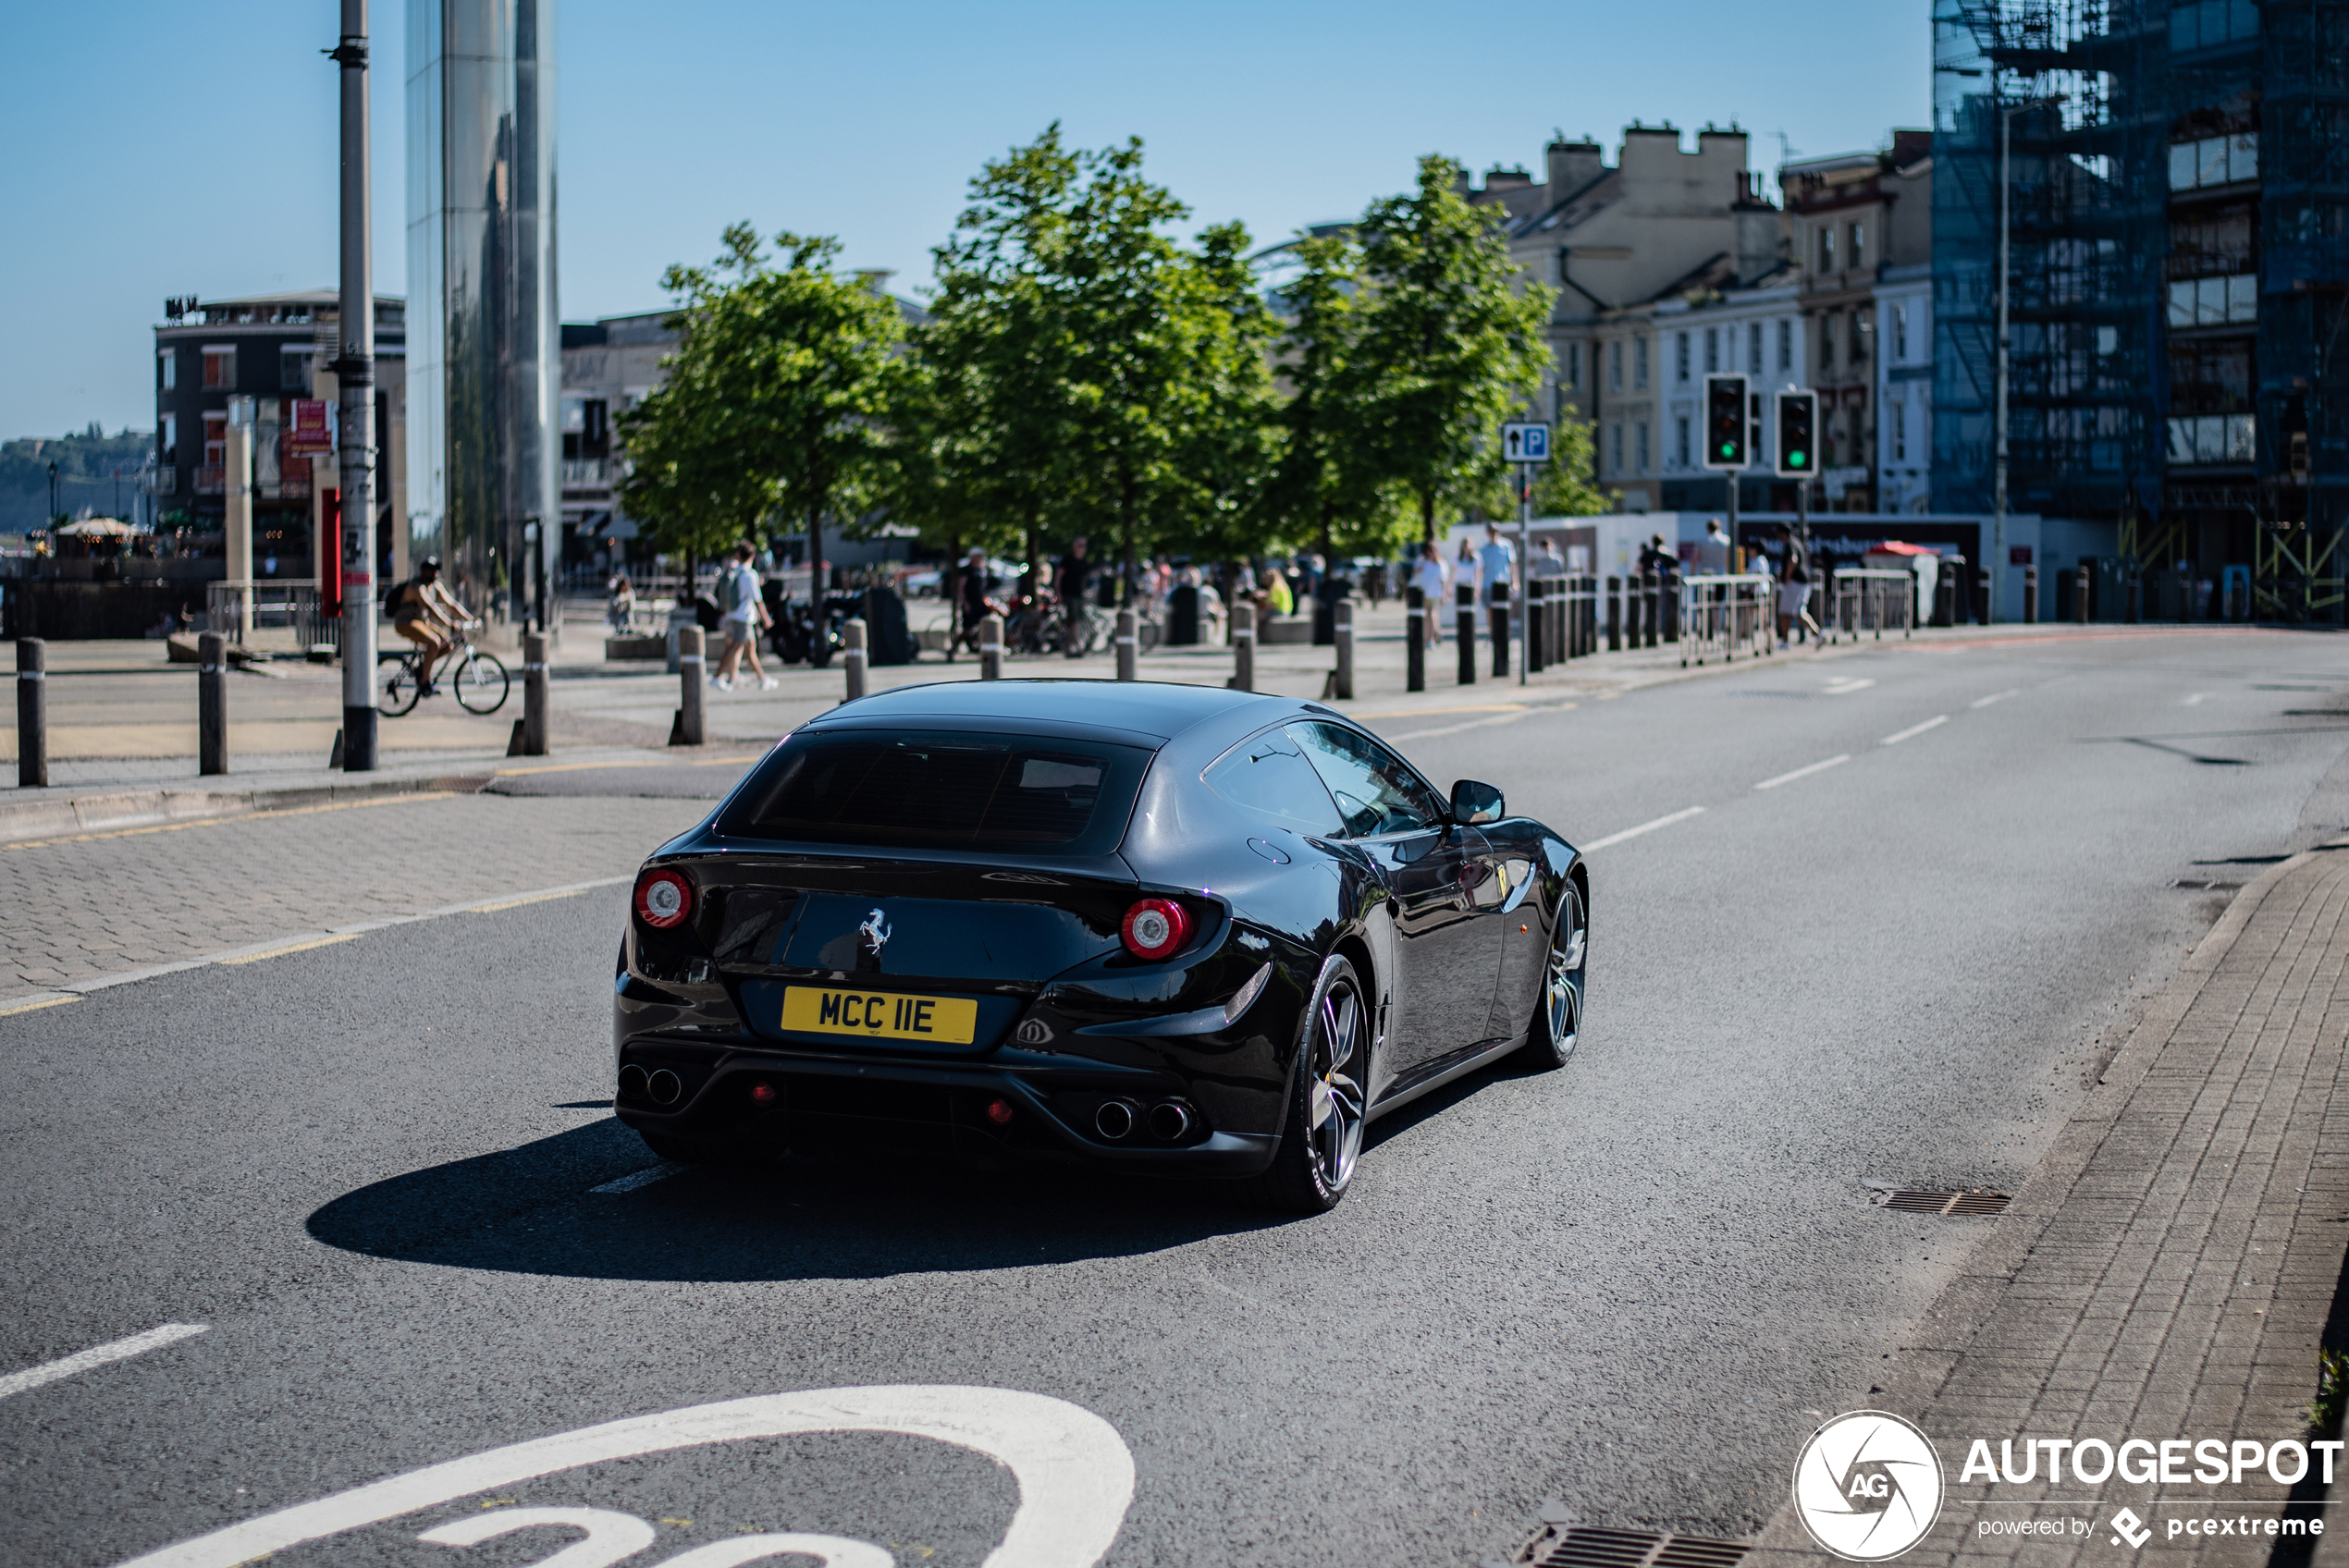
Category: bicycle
[478,680]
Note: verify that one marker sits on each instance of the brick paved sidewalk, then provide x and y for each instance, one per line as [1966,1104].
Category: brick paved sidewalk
[99,904]
[2168,1270]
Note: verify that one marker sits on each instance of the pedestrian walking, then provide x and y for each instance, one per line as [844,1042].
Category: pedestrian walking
[1713,550]
[1495,565]
[1070,578]
[1794,593]
[1434,583]
[619,604]
[742,611]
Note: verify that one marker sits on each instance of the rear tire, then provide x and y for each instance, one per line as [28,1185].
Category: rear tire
[396,688]
[1556,1027]
[1321,1131]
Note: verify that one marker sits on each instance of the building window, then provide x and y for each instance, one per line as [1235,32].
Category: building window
[1826,247]
[1899,335]
[1680,356]
[2204,24]
[168,438]
[1574,364]
[1680,442]
[1712,351]
[220,369]
[1786,345]
[1900,428]
[1642,435]
[1859,256]
[169,363]
[1615,447]
[2214,160]
[2215,301]
[293,370]
[1753,349]
[1855,346]
[1639,364]
[1614,366]
[1827,343]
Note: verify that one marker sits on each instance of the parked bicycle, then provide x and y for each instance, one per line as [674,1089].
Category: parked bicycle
[476,679]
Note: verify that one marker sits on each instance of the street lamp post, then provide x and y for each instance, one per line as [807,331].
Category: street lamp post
[52,494]
[1999,467]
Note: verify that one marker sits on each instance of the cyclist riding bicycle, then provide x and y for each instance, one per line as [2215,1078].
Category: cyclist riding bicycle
[429,616]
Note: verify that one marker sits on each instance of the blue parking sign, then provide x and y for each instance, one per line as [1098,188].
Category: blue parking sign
[1525,443]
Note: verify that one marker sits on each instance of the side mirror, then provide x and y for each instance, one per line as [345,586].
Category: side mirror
[1473,802]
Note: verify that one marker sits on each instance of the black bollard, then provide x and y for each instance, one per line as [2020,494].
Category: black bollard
[1537,632]
[2030,596]
[1415,638]
[1497,614]
[1464,620]
[32,714]
[211,703]
[1614,615]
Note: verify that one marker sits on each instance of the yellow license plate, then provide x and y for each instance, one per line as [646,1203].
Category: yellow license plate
[881,1015]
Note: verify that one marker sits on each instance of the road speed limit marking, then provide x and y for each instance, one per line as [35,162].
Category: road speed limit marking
[1075,1474]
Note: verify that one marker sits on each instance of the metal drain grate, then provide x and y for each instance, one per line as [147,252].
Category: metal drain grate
[1589,1546]
[1917,1200]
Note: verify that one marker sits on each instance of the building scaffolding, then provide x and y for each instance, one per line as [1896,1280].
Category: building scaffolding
[2177,177]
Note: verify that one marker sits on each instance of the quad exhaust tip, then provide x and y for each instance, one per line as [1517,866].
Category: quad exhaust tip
[1114,1119]
[632,1083]
[665,1087]
[1170,1121]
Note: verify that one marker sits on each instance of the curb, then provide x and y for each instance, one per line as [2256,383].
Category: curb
[142,808]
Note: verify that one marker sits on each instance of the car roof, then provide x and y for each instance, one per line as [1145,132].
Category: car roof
[1159,709]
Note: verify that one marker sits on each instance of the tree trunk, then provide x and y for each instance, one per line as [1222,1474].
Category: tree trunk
[1427,517]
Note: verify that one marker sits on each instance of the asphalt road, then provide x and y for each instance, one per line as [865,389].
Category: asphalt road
[1634,1284]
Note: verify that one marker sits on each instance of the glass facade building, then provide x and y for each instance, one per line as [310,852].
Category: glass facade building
[484,363]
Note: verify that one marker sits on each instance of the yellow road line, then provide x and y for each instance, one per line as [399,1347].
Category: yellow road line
[1417,713]
[645,762]
[35,1006]
[226,816]
[293,948]
[533,899]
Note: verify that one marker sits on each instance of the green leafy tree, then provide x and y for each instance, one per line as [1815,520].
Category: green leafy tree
[783,375]
[1112,380]
[1450,344]
[1567,484]
[1327,483]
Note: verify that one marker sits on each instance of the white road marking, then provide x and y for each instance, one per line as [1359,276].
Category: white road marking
[1802,772]
[1993,697]
[1074,1473]
[97,1355]
[610,1535]
[636,1179]
[829,1551]
[1844,685]
[2192,700]
[1614,838]
[1937,720]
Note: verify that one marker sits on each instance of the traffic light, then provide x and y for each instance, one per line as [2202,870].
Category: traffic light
[1725,434]
[1798,435]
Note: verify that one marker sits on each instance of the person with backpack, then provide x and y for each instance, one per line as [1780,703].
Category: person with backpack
[742,614]
[429,616]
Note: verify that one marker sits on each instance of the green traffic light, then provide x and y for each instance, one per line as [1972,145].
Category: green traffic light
[1794,460]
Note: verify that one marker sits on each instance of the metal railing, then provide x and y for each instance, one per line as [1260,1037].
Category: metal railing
[1870,601]
[293,605]
[1722,614]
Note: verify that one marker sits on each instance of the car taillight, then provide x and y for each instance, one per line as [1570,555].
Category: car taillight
[1156,928]
[664,898]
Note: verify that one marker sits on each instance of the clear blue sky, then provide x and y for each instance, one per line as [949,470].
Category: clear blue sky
[156,150]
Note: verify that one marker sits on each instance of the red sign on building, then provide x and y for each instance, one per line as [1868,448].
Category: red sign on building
[309,432]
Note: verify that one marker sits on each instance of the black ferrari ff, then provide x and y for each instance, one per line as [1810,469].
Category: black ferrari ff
[1174,928]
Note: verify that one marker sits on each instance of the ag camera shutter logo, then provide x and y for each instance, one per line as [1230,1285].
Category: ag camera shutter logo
[1868,1485]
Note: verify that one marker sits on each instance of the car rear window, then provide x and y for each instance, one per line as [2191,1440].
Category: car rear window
[942,790]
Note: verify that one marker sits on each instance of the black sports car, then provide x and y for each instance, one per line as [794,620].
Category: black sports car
[1170,927]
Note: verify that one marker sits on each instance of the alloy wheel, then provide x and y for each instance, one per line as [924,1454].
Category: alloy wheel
[1562,989]
[1334,1111]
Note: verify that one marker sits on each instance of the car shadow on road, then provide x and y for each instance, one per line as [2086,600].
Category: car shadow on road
[531,1210]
